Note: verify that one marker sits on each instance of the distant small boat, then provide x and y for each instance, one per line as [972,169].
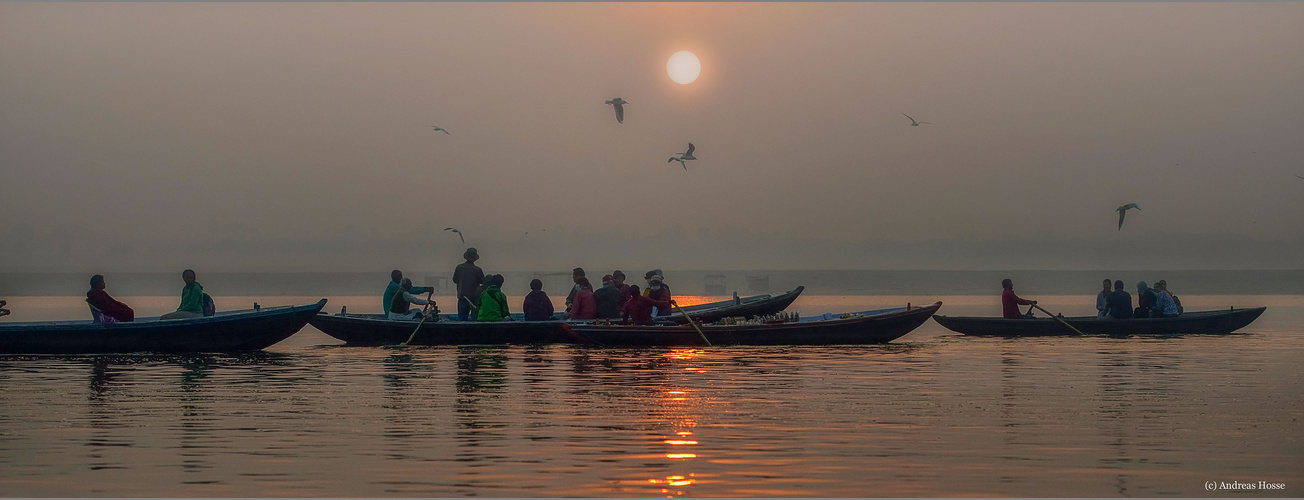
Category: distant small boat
[1203,322]
[868,327]
[747,307]
[228,331]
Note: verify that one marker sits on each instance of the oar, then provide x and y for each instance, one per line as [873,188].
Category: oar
[423,319]
[691,322]
[1059,319]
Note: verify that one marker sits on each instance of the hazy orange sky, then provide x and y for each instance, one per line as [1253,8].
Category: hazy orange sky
[297,135]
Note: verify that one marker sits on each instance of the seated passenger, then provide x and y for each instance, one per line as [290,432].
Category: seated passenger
[537,306]
[493,304]
[1165,306]
[1145,300]
[1120,302]
[1163,284]
[638,309]
[110,311]
[396,284]
[1102,301]
[400,307]
[1010,302]
[3,311]
[584,306]
[659,292]
[192,299]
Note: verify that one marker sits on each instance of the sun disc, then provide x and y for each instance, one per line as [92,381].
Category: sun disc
[684,67]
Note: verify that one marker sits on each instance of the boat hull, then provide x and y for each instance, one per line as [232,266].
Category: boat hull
[747,308]
[873,329]
[1203,322]
[225,332]
[374,330]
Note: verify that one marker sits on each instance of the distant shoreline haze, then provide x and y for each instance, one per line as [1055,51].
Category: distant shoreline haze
[688,282]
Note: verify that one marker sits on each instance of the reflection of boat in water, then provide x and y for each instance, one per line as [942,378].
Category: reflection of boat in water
[1203,322]
[376,329]
[229,331]
[868,327]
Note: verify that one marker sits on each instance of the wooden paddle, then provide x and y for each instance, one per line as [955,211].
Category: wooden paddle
[1057,318]
[423,319]
[691,322]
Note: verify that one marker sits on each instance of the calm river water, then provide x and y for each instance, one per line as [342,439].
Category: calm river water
[932,414]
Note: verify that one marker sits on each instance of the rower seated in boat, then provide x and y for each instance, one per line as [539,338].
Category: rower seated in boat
[395,285]
[1010,302]
[400,307]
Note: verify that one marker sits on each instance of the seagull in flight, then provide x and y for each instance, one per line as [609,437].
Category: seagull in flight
[620,108]
[459,233]
[440,129]
[1122,212]
[914,123]
[1300,176]
[687,155]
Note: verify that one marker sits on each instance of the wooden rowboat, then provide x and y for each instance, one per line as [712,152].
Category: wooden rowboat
[868,327]
[228,331]
[1203,322]
[376,329]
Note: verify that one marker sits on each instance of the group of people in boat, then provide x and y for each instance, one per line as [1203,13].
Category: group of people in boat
[1113,301]
[105,309]
[480,297]
[1157,302]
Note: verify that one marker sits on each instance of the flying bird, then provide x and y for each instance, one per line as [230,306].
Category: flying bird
[1122,211]
[459,233]
[620,108]
[914,123]
[687,155]
[1300,176]
[440,129]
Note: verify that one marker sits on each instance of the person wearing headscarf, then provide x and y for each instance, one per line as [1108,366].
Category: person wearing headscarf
[1145,300]
[100,301]
[659,294]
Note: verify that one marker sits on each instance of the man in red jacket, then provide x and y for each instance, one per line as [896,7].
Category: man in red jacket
[100,300]
[1010,302]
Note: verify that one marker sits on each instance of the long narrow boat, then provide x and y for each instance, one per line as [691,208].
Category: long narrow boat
[376,329]
[868,327]
[1203,322]
[228,331]
[749,307]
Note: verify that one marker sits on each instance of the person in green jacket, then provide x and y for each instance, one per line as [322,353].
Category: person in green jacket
[192,299]
[493,304]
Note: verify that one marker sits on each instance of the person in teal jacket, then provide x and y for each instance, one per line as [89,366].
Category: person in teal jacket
[493,304]
[395,285]
[192,299]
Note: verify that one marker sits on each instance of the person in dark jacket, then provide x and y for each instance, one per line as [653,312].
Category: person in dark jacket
[467,278]
[1145,300]
[638,309]
[577,274]
[659,293]
[618,281]
[106,305]
[608,299]
[537,306]
[1120,302]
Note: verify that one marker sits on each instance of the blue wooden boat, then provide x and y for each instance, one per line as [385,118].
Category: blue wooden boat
[866,327]
[376,329]
[1203,322]
[228,331]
